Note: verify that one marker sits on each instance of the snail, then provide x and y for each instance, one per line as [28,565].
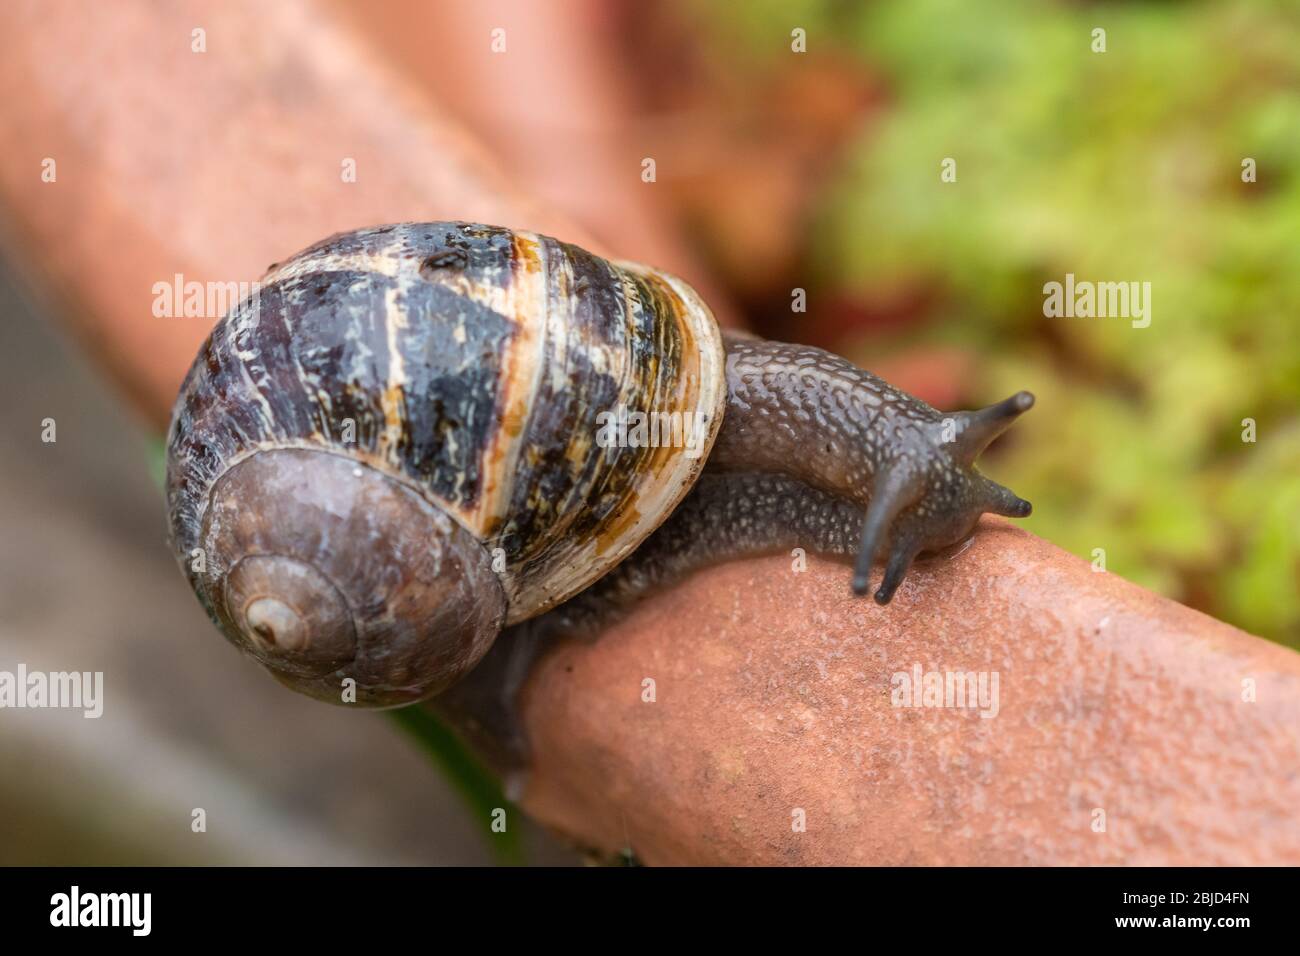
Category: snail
[391,452]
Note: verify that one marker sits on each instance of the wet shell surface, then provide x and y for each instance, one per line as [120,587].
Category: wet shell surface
[470,363]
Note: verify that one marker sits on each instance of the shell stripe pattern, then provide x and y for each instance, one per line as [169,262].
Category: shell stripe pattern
[472,363]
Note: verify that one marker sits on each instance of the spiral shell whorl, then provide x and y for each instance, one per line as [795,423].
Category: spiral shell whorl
[324,570]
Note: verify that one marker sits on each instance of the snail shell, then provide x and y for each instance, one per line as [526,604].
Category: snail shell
[389,452]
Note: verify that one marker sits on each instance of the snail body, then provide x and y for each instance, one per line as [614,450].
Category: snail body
[390,452]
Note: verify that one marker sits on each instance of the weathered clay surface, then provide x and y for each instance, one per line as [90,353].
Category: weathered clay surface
[773,692]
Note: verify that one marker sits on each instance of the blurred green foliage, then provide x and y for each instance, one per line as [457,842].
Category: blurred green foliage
[1116,166]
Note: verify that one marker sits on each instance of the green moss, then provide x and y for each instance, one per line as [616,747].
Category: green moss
[1115,166]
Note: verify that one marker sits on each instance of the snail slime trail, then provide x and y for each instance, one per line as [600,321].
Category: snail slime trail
[421,434]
